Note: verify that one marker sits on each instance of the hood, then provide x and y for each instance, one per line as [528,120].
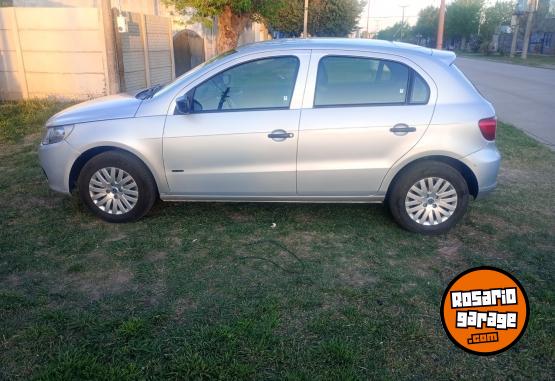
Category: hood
[111,107]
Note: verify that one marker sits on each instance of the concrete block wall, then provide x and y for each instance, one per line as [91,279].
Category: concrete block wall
[62,52]
[69,48]
[51,52]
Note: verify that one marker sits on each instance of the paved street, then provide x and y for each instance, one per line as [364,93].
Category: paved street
[523,96]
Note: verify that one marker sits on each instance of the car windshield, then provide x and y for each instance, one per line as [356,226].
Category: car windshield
[150,91]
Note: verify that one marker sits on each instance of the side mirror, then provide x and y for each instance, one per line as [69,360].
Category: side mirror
[183,104]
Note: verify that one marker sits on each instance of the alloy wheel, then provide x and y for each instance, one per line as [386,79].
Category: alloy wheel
[431,201]
[113,190]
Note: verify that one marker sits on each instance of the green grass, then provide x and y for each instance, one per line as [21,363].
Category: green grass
[19,119]
[212,291]
[536,60]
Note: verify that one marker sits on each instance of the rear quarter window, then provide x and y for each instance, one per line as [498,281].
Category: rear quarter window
[420,92]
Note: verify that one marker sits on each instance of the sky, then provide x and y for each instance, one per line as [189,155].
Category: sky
[384,13]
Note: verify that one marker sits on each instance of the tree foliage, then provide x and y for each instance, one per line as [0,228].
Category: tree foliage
[205,10]
[393,33]
[232,15]
[289,19]
[494,16]
[326,18]
[462,18]
[335,18]
[426,25]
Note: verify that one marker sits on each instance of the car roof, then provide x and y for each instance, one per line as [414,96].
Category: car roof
[378,46]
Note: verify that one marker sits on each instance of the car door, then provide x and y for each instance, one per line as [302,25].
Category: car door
[362,113]
[240,138]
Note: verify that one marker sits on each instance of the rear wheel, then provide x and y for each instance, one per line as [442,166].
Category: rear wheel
[429,198]
[117,187]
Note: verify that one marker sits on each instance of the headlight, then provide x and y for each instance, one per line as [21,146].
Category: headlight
[56,134]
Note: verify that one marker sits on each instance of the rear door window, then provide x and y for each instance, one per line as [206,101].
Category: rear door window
[344,81]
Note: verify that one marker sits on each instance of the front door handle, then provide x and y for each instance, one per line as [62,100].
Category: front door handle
[402,129]
[280,135]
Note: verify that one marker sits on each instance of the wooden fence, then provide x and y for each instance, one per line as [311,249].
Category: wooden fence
[145,52]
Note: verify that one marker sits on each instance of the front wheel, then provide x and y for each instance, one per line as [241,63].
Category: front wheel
[117,187]
[429,198]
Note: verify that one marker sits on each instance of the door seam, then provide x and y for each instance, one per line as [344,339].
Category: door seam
[299,125]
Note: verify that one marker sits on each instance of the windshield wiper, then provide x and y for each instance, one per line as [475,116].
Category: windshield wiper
[148,93]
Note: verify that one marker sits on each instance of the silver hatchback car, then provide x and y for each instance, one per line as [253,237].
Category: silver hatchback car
[306,120]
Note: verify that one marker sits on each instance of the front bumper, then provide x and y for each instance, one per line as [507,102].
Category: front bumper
[56,161]
[485,165]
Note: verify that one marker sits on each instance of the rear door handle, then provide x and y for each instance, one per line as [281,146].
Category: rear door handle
[280,135]
[402,128]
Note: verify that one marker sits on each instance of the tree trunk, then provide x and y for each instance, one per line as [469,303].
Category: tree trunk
[230,26]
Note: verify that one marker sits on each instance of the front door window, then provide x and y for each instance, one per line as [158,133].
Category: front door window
[262,84]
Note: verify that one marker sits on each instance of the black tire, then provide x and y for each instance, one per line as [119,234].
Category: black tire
[145,184]
[410,176]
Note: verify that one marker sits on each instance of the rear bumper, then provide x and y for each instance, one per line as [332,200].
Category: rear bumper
[485,165]
[56,161]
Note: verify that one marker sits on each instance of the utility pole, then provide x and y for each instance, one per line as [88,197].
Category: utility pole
[368,20]
[403,21]
[528,30]
[440,25]
[515,35]
[305,29]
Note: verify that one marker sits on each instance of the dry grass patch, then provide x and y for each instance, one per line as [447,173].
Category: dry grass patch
[97,285]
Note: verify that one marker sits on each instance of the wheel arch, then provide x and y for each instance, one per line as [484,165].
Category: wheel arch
[87,155]
[462,168]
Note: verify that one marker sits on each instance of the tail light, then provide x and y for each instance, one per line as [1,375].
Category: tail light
[488,127]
